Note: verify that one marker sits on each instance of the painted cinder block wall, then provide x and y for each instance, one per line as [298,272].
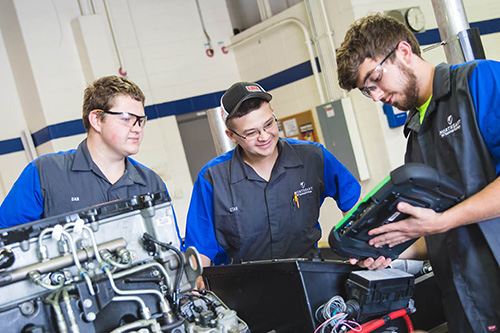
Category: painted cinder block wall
[161,45]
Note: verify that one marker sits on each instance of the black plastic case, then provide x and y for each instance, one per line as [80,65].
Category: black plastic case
[414,183]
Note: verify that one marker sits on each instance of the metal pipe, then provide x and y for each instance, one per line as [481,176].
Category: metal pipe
[343,93]
[76,261]
[312,58]
[108,258]
[209,42]
[113,37]
[28,144]
[36,278]
[323,63]
[70,313]
[139,268]
[86,7]
[218,129]
[79,226]
[146,313]
[83,272]
[155,327]
[165,307]
[451,20]
[53,300]
[264,9]
[56,263]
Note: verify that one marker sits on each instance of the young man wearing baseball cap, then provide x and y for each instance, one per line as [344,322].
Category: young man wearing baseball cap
[261,200]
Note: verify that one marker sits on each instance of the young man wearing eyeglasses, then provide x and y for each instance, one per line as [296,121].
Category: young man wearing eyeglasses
[452,126]
[262,199]
[99,170]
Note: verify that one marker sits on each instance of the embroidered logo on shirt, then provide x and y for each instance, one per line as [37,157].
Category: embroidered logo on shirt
[75,198]
[452,126]
[303,189]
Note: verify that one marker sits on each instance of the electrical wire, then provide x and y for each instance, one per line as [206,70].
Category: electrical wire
[348,324]
[209,41]
[408,322]
[376,323]
[334,314]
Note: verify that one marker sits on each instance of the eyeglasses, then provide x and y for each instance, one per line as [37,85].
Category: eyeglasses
[375,76]
[127,119]
[255,133]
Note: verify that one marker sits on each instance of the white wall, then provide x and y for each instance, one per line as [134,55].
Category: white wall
[284,47]
[162,47]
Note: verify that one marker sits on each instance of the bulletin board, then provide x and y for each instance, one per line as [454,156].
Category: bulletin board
[299,126]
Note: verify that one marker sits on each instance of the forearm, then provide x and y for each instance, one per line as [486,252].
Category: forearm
[417,251]
[205,261]
[480,207]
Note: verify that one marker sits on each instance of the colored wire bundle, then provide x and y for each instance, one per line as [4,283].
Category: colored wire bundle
[334,315]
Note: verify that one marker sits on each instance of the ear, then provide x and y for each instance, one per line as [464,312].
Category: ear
[95,121]
[231,136]
[405,51]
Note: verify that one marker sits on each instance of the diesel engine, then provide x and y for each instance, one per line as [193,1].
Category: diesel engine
[115,267]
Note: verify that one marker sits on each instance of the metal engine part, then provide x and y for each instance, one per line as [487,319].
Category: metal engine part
[115,267]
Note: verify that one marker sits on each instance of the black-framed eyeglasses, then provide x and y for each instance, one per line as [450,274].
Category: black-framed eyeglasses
[127,119]
[255,133]
[375,76]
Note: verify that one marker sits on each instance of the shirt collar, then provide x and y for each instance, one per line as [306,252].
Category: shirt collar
[83,162]
[132,173]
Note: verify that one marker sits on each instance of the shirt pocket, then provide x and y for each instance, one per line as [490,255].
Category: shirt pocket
[227,231]
[305,212]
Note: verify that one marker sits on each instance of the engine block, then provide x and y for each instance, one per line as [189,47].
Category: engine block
[115,267]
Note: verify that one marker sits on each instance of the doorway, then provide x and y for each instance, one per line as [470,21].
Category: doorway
[197,140]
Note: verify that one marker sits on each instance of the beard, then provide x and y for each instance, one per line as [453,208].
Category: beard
[410,89]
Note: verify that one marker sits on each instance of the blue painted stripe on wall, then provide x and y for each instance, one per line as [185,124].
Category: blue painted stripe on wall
[485,27]
[191,104]
[11,146]
[287,76]
[488,26]
[208,101]
[61,130]
[428,37]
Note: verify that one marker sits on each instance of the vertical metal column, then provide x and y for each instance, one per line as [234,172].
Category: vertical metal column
[322,35]
[455,30]
[218,129]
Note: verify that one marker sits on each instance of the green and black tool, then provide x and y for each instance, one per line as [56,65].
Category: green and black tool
[417,184]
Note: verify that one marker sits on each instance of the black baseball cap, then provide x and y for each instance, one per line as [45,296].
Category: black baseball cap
[238,93]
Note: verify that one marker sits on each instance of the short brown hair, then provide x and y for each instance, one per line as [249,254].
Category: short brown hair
[246,107]
[371,37]
[100,95]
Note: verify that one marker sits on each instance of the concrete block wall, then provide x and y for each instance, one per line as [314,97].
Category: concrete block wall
[162,47]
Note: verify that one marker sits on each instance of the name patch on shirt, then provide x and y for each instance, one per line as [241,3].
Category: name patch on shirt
[75,198]
[233,209]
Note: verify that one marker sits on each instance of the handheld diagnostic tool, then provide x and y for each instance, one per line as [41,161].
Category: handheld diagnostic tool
[417,184]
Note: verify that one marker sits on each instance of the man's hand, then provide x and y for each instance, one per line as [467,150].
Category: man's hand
[421,222]
[372,264]
[200,284]
[206,262]
[416,251]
